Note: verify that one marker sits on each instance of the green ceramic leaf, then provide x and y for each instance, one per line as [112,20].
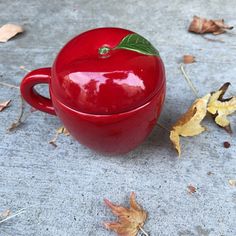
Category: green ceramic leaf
[137,43]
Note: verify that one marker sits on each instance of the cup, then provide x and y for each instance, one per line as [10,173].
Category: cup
[106,85]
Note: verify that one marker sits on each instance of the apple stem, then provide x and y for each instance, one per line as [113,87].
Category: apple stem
[143,231]
[104,50]
[190,83]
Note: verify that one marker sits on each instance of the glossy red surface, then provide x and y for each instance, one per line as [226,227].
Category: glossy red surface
[109,103]
[120,81]
[112,134]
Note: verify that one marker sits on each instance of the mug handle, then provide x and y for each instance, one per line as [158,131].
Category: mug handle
[29,93]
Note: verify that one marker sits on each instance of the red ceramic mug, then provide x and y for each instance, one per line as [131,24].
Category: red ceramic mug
[106,85]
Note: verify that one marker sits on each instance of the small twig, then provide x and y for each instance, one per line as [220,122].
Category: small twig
[143,231]
[163,127]
[188,80]
[61,130]
[54,139]
[14,215]
[23,68]
[212,40]
[9,85]
[20,119]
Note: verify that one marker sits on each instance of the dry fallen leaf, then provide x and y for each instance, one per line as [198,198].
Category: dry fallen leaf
[4,105]
[188,59]
[201,25]
[130,221]
[220,107]
[8,31]
[191,189]
[61,130]
[189,123]
[5,214]
[232,182]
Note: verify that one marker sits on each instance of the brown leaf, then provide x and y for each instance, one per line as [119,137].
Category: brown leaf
[220,108]
[188,59]
[4,105]
[189,123]
[8,31]
[130,220]
[192,189]
[202,25]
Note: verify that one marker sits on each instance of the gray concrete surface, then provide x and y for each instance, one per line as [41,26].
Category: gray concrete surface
[64,187]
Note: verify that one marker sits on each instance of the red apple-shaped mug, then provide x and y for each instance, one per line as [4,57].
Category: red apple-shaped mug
[107,86]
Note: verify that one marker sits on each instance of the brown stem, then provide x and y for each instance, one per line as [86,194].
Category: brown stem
[19,120]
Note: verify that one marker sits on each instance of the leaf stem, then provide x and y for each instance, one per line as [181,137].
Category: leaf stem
[143,231]
[163,127]
[23,68]
[14,215]
[9,85]
[190,83]
[20,119]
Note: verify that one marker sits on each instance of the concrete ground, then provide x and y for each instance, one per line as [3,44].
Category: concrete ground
[63,188]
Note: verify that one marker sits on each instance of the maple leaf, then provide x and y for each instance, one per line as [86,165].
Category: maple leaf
[130,221]
[8,31]
[220,108]
[4,105]
[201,25]
[189,123]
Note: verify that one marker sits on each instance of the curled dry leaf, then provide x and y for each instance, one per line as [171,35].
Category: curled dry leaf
[202,25]
[4,105]
[189,123]
[130,221]
[8,31]
[188,59]
[220,108]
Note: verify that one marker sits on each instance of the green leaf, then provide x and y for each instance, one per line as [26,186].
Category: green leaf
[137,43]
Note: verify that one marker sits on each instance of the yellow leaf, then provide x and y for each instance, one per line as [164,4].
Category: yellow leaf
[189,123]
[220,108]
[8,31]
[63,130]
[130,219]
